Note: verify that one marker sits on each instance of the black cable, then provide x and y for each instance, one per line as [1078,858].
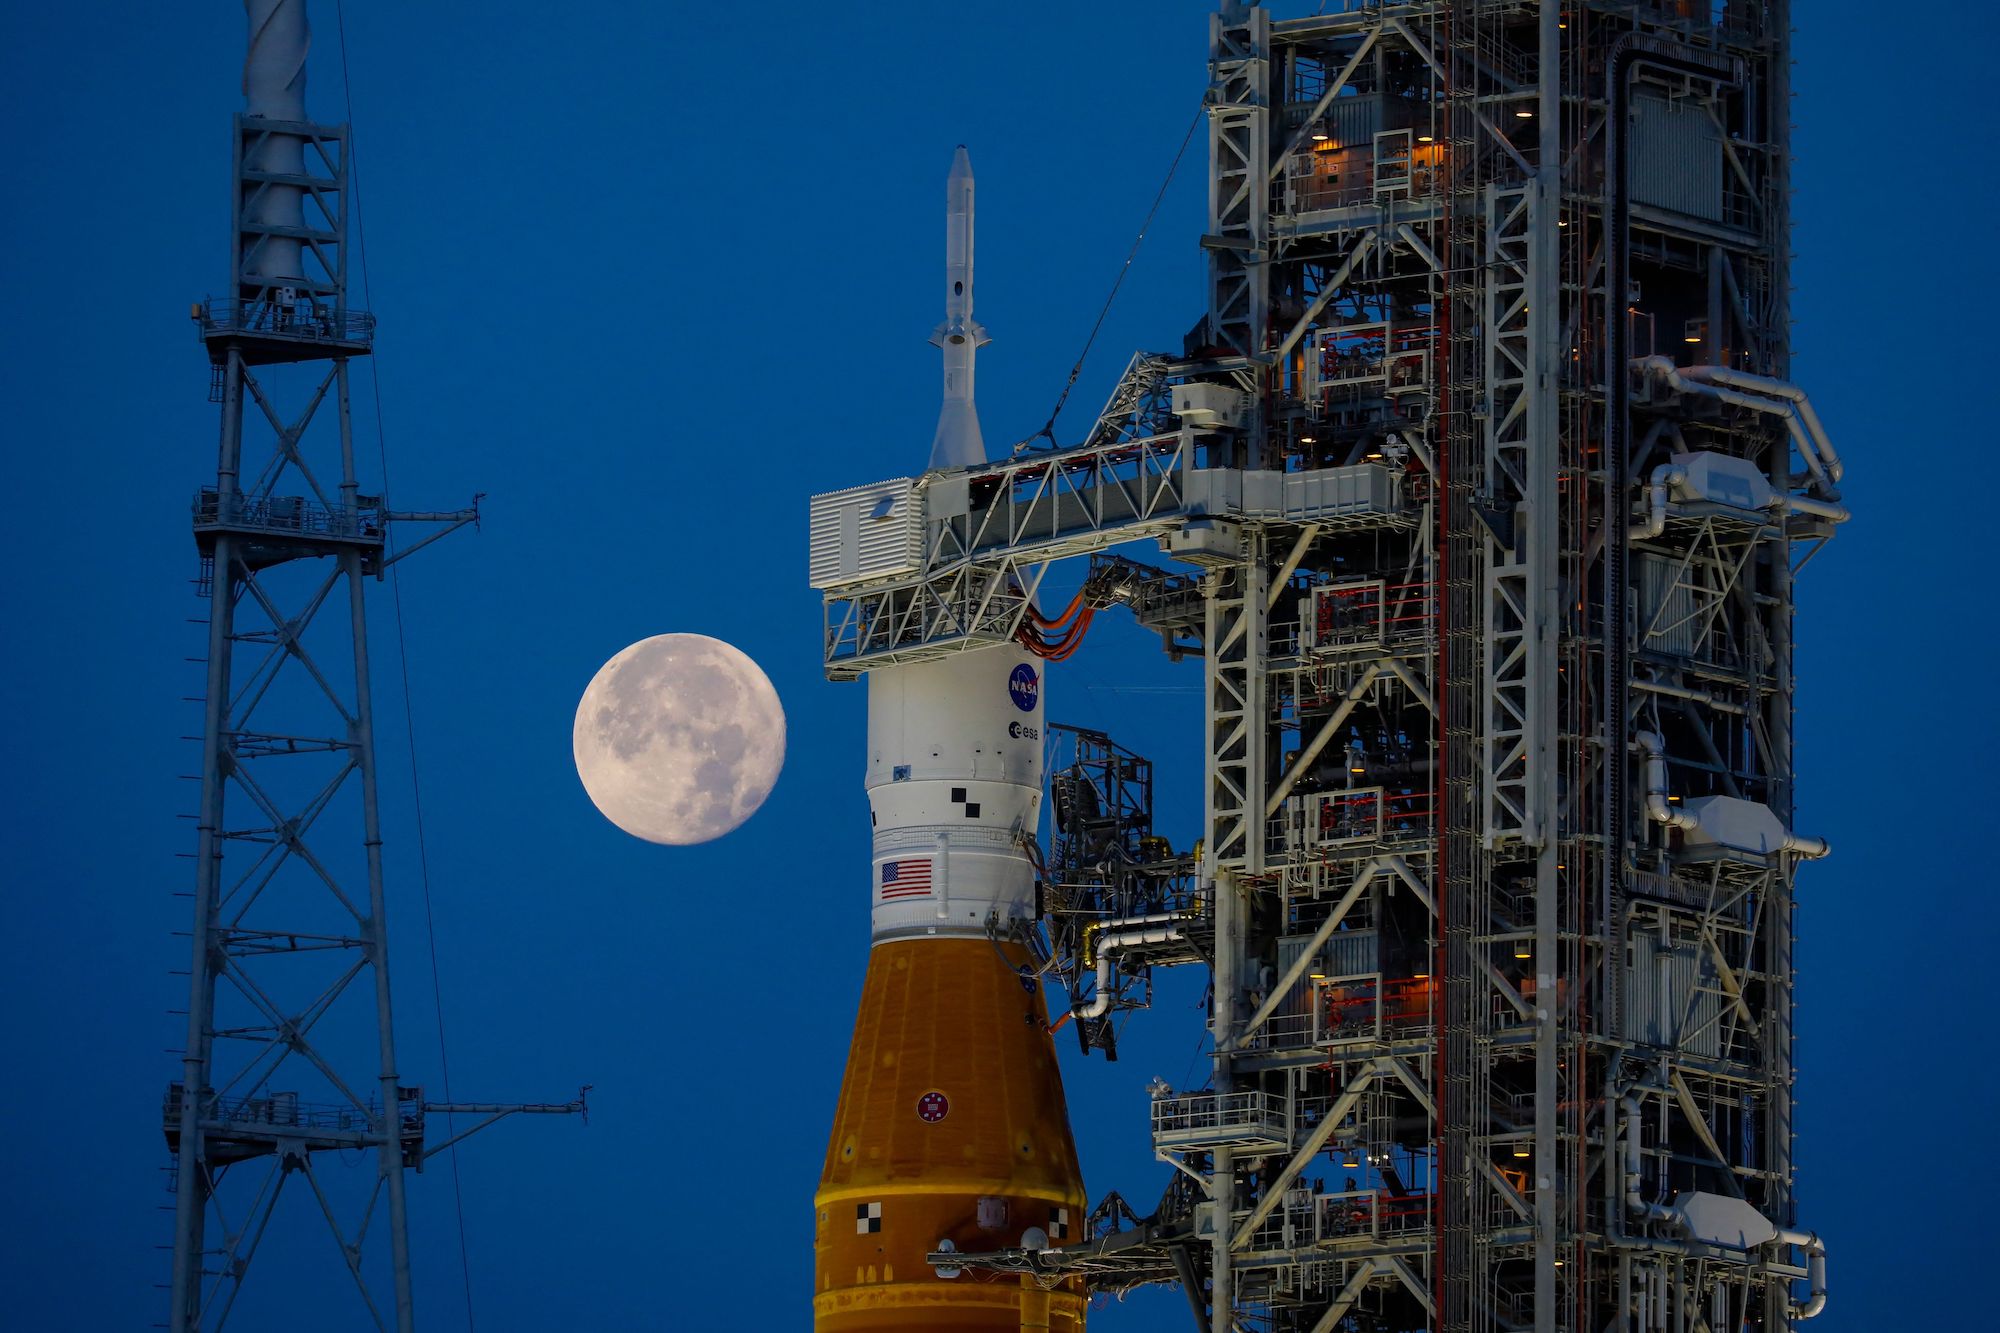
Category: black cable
[1049,427]
[1188,1073]
[403,660]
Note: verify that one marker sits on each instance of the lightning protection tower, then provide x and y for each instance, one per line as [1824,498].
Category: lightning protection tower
[291,1051]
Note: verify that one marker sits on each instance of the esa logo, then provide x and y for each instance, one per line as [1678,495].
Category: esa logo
[1021,731]
[1024,688]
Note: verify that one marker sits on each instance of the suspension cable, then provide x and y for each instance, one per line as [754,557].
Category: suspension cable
[403,663]
[1048,430]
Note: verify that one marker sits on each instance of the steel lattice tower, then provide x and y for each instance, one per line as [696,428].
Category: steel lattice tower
[290,1042]
[1493,485]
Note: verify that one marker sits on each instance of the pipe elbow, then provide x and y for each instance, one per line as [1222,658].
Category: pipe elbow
[1815,1249]
[1662,811]
[1667,477]
[1636,1206]
[1812,849]
[1658,807]
[1096,1007]
[1111,942]
[1826,509]
[1099,1003]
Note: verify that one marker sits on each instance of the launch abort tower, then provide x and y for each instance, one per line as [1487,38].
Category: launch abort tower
[1489,485]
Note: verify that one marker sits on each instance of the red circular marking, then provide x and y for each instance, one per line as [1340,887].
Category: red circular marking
[932,1107]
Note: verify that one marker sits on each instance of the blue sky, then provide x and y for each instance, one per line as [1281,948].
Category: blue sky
[648,279]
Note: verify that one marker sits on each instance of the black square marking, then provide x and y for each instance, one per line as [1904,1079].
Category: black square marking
[1059,1224]
[958,794]
[867,1218]
[972,809]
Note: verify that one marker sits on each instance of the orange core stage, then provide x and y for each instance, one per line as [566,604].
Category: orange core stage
[951,1126]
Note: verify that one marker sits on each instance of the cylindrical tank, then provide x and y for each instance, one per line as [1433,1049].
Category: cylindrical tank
[951,1124]
[274,88]
[954,786]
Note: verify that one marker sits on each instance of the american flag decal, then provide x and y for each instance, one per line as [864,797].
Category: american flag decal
[906,879]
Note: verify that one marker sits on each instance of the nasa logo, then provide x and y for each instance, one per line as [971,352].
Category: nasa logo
[932,1107]
[1021,731]
[1024,688]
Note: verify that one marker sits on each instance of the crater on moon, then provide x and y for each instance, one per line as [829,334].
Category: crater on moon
[679,738]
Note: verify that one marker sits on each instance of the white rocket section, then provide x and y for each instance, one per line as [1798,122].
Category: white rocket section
[958,441]
[954,788]
[274,88]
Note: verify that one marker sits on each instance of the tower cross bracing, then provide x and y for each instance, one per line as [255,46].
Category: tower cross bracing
[1486,466]
[290,1059]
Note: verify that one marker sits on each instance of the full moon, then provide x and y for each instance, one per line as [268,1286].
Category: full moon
[679,739]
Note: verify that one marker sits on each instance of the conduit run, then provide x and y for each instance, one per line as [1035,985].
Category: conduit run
[1661,809]
[1670,482]
[1815,1249]
[1055,640]
[1776,388]
[1110,942]
[1741,1227]
[1759,393]
[1638,1207]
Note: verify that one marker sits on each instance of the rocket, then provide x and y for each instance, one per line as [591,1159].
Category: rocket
[951,1131]
[958,441]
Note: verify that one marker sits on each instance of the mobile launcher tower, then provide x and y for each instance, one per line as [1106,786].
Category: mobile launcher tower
[1485,485]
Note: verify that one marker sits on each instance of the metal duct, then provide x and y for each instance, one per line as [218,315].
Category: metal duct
[274,88]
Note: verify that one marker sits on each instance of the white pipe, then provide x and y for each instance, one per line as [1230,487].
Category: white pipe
[1658,807]
[1800,504]
[1638,1207]
[1696,696]
[1791,393]
[1673,377]
[1148,919]
[1815,1271]
[1666,477]
[1812,849]
[1110,943]
[1663,811]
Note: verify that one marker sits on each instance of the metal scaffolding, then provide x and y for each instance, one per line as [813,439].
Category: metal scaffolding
[290,1048]
[1493,486]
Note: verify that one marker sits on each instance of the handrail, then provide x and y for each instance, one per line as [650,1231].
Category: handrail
[285,1111]
[1214,1110]
[307,322]
[287,514]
